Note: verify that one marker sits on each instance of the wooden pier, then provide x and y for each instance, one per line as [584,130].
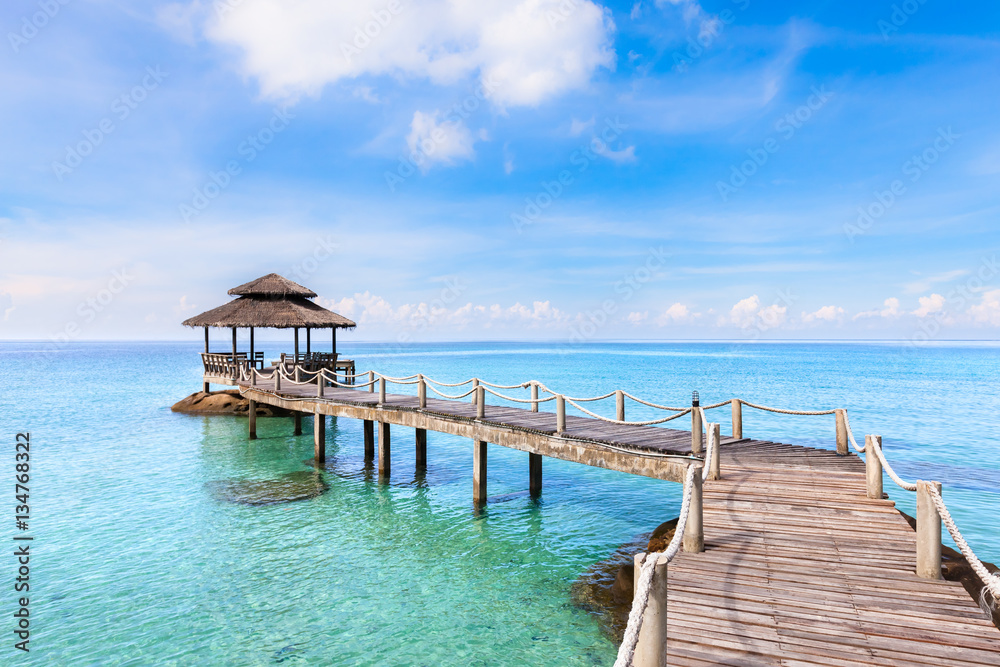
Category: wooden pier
[789,556]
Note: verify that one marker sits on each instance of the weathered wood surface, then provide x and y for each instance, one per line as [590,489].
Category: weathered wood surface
[636,450]
[801,568]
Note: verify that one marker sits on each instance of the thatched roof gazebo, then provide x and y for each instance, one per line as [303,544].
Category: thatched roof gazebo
[271,302]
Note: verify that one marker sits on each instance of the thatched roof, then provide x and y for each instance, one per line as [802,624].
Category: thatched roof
[271,302]
[269,313]
[272,285]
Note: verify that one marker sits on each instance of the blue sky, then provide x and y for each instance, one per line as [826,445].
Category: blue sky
[735,170]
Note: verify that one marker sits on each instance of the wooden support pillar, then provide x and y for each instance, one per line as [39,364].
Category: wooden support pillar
[384,449]
[235,364]
[873,467]
[251,357]
[694,531]
[696,434]
[714,465]
[620,405]
[534,474]
[308,340]
[252,416]
[369,428]
[206,340]
[478,472]
[296,360]
[319,437]
[737,418]
[297,418]
[333,340]
[421,437]
[928,532]
[841,433]
[649,650]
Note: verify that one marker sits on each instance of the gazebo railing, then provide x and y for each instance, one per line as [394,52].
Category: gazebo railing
[223,365]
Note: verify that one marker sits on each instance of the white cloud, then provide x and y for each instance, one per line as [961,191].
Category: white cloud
[578,127]
[987,311]
[924,284]
[749,313]
[621,157]
[891,310]
[446,142]
[930,305]
[6,304]
[676,313]
[536,49]
[825,314]
[637,318]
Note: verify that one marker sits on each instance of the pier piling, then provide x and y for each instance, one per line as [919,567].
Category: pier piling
[873,467]
[319,437]
[252,415]
[842,434]
[534,474]
[421,456]
[479,472]
[369,429]
[384,449]
[297,419]
[928,532]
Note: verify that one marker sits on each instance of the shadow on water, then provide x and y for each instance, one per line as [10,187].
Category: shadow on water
[287,488]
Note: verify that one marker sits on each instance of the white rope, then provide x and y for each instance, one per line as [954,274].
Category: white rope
[655,405]
[626,652]
[782,411]
[517,400]
[991,582]
[625,423]
[885,464]
[446,384]
[455,398]
[850,434]
[717,405]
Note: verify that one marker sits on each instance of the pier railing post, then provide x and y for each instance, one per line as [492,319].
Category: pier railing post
[534,397]
[319,384]
[422,392]
[277,380]
[480,403]
[381,391]
[873,467]
[696,436]
[620,405]
[560,414]
[928,532]
[371,381]
[253,377]
[841,433]
[475,390]
[737,418]
[653,634]
[694,531]
[714,465]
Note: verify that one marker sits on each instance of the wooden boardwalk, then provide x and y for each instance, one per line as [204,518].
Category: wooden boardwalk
[800,567]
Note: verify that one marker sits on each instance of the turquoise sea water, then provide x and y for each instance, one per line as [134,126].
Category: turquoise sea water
[141,556]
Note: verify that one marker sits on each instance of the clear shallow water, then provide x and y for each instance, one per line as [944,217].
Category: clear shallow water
[139,558]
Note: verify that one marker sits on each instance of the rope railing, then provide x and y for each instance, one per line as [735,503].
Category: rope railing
[480,388]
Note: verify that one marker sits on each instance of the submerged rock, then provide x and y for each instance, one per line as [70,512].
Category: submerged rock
[606,588]
[290,487]
[226,402]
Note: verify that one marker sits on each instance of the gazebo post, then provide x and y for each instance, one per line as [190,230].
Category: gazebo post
[296,346]
[251,350]
[308,340]
[207,386]
[333,344]
[235,372]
